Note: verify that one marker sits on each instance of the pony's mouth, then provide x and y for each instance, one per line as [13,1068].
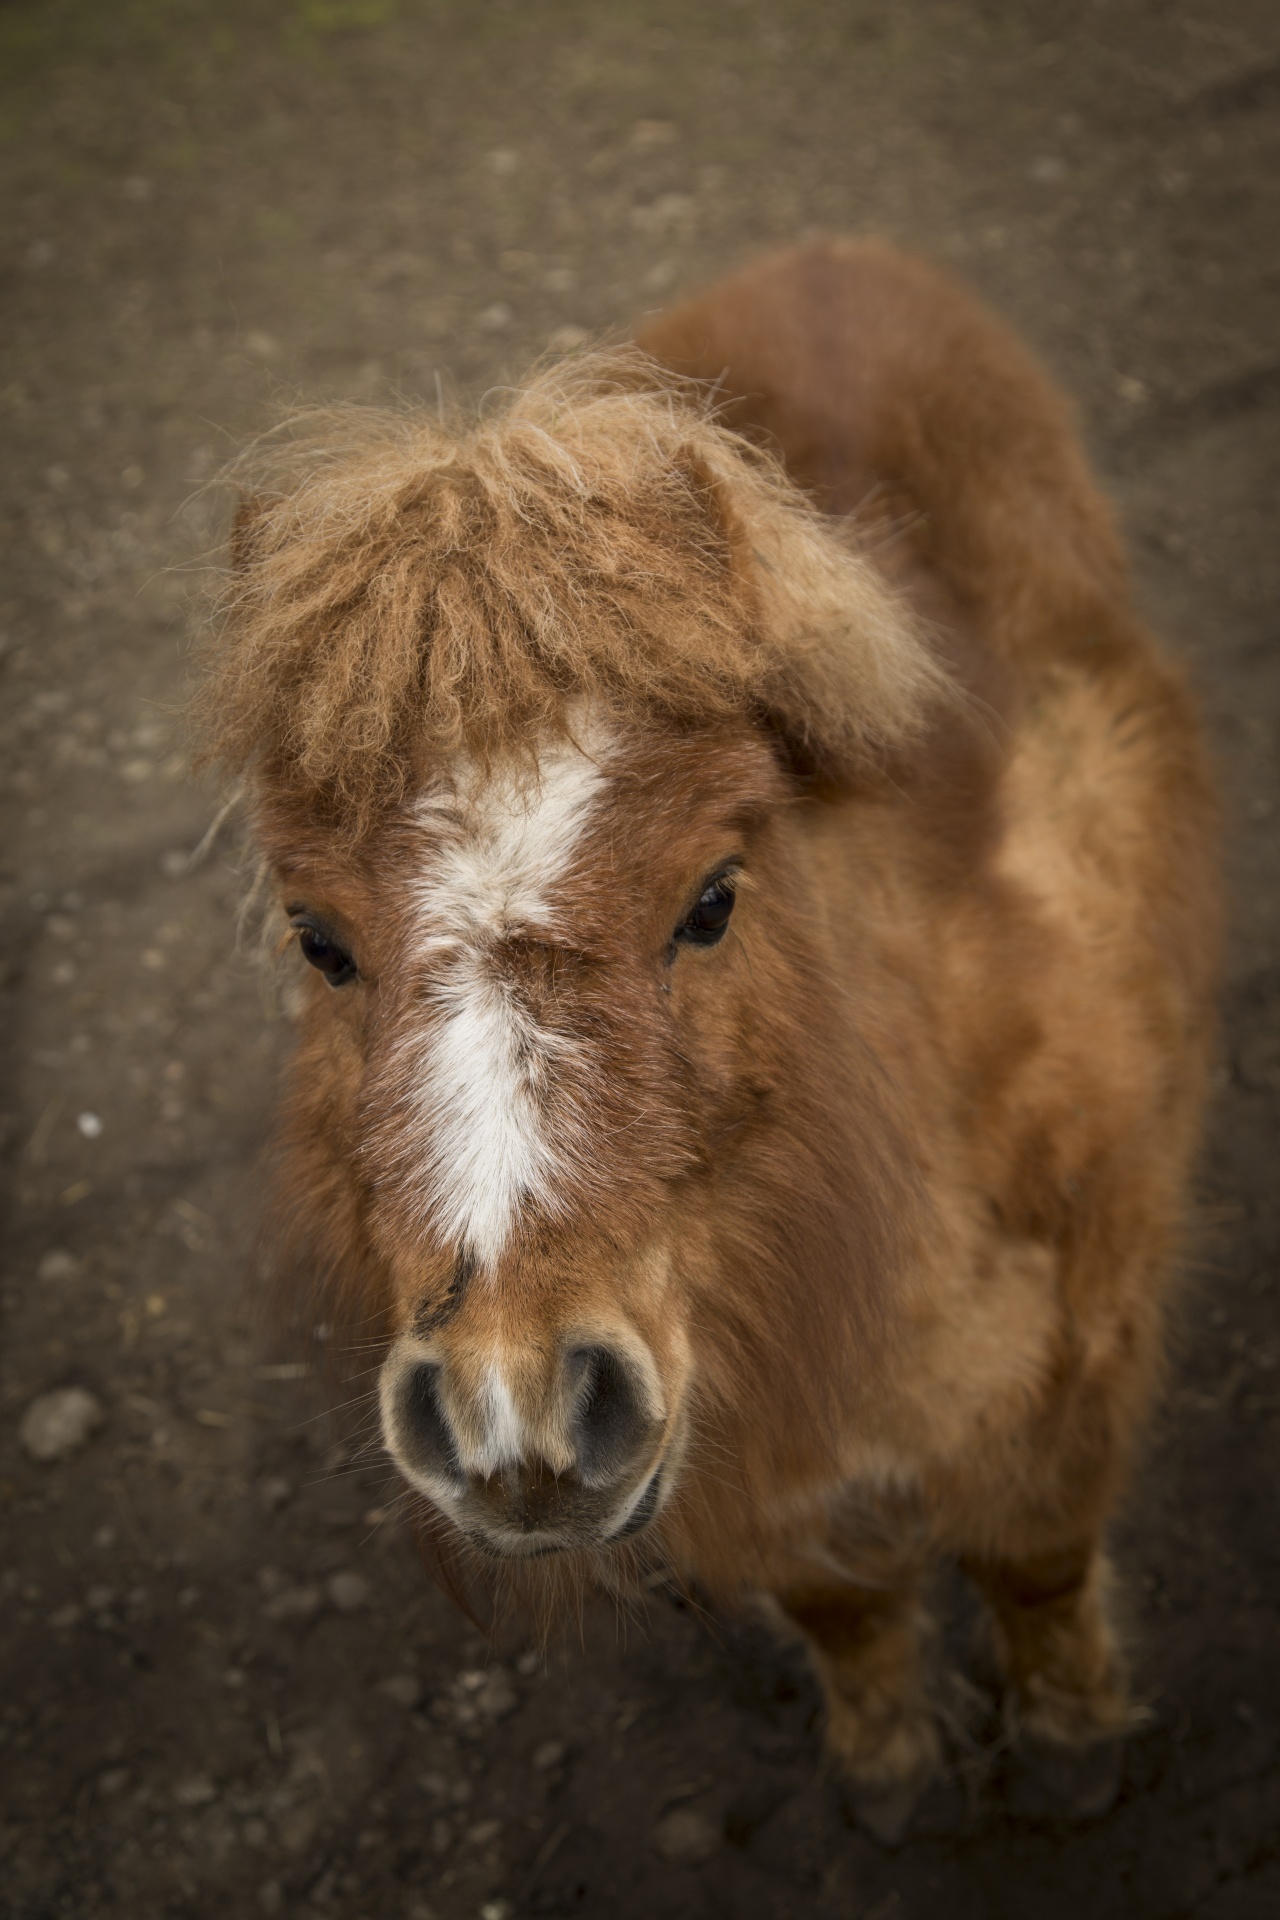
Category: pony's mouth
[510,1543]
[643,1511]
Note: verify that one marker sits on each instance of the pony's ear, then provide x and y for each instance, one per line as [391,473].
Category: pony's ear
[841,672]
[247,530]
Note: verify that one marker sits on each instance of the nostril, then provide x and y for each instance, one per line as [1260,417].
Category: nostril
[611,1424]
[420,1427]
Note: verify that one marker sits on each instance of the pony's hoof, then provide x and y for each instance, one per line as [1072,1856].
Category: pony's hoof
[886,1767]
[884,1809]
[1061,1782]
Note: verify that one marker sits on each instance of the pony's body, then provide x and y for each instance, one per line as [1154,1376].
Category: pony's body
[841,1248]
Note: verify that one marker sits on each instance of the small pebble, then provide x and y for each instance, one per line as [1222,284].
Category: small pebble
[653,133]
[348,1591]
[1047,169]
[685,1837]
[548,1755]
[195,1792]
[497,1697]
[58,1424]
[57,1264]
[296,1604]
[494,318]
[402,1689]
[90,1125]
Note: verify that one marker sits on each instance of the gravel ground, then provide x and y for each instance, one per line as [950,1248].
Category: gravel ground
[228,1687]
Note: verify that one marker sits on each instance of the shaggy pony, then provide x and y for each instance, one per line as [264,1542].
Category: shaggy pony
[764,872]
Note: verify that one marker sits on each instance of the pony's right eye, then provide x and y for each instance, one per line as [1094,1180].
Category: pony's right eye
[705,926]
[326,956]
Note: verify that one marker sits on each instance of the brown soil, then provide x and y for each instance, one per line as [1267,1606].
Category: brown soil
[228,1687]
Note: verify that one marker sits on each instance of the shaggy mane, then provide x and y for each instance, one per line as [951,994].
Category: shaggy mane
[404,587]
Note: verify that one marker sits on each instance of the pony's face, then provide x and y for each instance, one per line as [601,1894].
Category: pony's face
[537,1030]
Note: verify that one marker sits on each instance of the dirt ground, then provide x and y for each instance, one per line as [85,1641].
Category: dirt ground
[228,1688]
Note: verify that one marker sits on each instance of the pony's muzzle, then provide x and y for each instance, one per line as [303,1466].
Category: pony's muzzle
[578,1463]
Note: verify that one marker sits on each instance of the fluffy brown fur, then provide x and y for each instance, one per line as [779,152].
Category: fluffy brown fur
[875,1204]
[581,543]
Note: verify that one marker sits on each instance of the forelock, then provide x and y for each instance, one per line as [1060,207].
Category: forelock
[408,590]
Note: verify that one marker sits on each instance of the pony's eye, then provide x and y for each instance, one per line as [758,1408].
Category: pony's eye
[706,924]
[326,956]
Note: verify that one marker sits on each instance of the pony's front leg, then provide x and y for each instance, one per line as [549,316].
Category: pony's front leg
[1060,1654]
[867,1646]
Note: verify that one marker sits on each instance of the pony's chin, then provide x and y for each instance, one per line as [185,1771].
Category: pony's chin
[521,1546]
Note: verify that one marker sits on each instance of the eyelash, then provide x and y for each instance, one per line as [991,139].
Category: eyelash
[321,951]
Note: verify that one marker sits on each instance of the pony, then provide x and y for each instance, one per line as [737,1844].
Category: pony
[750,878]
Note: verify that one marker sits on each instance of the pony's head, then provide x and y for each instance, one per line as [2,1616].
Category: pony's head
[530,713]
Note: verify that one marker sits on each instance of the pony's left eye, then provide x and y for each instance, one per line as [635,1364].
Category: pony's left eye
[709,919]
[326,956]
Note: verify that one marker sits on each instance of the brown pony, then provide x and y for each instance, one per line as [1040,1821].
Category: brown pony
[757,873]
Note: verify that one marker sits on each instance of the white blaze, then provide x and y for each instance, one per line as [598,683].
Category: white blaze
[504,1437]
[498,848]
